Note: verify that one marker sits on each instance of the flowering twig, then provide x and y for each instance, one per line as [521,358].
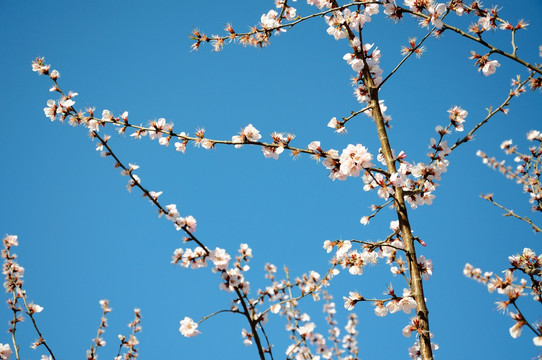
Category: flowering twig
[492,48]
[98,341]
[413,50]
[489,197]
[492,112]
[13,284]
[528,263]
[352,115]
[399,203]
[132,341]
[244,38]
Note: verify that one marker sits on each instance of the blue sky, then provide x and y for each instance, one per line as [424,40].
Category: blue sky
[83,237]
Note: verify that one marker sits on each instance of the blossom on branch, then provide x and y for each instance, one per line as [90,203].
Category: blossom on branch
[188,327]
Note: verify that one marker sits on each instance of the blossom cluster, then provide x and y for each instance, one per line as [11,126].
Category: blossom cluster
[356,160]
[13,276]
[353,161]
[527,170]
[343,22]
[98,340]
[528,263]
[5,351]
[308,343]
[278,294]
[258,36]
[355,261]
[12,271]
[128,343]
[233,278]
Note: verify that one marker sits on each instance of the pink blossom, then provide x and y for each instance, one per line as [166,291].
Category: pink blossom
[206,144]
[191,223]
[407,330]
[393,306]
[334,124]
[35,308]
[40,68]
[488,22]
[515,330]
[181,146]
[534,135]
[54,75]
[354,262]
[290,13]
[66,103]
[356,63]
[132,182]
[158,126]
[232,278]
[248,337]
[269,20]
[10,240]
[426,267]
[328,245]
[314,146]
[407,303]
[154,195]
[179,223]
[371,9]
[93,125]
[436,12]
[275,308]
[51,110]
[394,225]
[5,351]
[306,330]
[220,258]
[272,152]
[173,213]
[353,298]
[380,309]
[189,327]
[355,158]
[106,115]
[331,161]
[342,248]
[320,3]
[490,67]
[251,133]
[335,23]
[457,117]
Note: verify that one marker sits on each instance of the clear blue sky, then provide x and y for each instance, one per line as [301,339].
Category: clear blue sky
[83,237]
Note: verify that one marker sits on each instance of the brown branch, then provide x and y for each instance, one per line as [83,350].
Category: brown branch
[491,113]
[511,212]
[537,333]
[400,207]
[146,192]
[353,114]
[406,58]
[492,48]
[289,25]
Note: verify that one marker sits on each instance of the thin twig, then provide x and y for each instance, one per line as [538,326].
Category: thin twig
[511,213]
